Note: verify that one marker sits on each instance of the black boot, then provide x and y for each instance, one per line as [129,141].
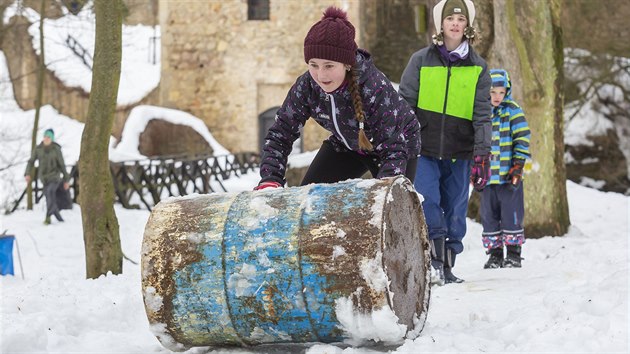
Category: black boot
[437,261]
[496,258]
[513,258]
[58,216]
[449,277]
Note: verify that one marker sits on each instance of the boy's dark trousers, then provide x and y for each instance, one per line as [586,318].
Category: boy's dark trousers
[50,192]
[330,166]
[502,211]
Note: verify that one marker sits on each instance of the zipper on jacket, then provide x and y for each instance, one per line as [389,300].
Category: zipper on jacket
[448,80]
[334,117]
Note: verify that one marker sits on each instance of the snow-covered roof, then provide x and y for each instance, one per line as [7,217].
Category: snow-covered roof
[138,119]
[139,75]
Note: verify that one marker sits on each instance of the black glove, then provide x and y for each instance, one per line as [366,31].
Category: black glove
[515,174]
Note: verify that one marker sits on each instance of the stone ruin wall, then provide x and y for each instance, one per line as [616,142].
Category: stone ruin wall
[227,70]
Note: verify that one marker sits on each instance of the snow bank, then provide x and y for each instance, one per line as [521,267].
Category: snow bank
[140,116]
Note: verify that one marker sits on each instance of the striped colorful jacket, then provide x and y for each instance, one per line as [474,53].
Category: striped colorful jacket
[510,131]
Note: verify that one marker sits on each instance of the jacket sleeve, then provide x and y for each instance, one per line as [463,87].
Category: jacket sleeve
[482,114]
[284,131]
[62,165]
[391,121]
[520,134]
[410,80]
[30,163]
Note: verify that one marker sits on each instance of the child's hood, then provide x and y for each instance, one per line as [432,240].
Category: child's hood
[364,65]
[501,78]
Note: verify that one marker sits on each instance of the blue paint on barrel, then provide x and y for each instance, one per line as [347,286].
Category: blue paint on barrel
[193,281]
[199,303]
[262,281]
[319,296]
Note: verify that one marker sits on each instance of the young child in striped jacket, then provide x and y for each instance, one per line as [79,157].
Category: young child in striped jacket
[502,206]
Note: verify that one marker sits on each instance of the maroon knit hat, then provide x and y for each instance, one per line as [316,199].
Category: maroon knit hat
[331,38]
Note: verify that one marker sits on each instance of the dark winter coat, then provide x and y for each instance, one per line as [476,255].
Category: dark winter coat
[452,102]
[390,123]
[51,164]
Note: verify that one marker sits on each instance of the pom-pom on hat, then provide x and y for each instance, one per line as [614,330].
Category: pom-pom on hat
[331,38]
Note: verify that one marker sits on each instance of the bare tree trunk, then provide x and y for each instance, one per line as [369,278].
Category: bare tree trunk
[100,225]
[528,43]
[38,99]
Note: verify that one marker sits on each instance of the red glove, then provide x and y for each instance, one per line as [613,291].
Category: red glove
[268,184]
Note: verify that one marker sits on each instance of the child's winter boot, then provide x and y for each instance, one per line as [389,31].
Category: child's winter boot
[437,261]
[449,277]
[513,258]
[47,220]
[496,258]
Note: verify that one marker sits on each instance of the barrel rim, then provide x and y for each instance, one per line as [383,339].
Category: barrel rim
[412,332]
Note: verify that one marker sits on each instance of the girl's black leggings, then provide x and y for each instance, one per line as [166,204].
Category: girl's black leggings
[330,166]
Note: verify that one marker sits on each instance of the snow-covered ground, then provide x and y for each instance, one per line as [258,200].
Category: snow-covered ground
[571,296]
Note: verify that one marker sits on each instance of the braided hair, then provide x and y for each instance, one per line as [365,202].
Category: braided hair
[353,84]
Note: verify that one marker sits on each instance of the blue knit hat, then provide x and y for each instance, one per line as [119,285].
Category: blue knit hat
[50,133]
[501,78]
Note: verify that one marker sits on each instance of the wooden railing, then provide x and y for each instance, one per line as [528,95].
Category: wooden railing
[79,51]
[146,182]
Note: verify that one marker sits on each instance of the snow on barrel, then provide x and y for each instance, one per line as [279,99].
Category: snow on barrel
[347,261]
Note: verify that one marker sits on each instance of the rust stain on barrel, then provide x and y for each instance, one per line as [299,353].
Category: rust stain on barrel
[174,218]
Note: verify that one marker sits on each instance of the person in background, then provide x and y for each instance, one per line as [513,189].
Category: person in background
[372,128]
[448,85]
[502,206]
[51,171]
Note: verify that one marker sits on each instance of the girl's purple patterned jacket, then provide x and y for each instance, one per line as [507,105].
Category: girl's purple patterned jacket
[390,123]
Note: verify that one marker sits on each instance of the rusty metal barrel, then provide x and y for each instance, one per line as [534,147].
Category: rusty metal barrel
[318,263]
